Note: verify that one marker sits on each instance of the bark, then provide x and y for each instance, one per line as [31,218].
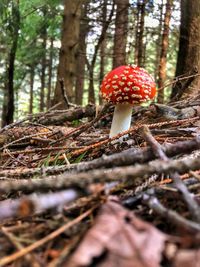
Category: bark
[103,48]
[50,72]
[136,35]
[8,102]
[164,48]
[121,29]
[43,63]
[189,50]
[91,95]
[158,41]
[139,42]
[68,51]
[141,35]
[81,58]
[133,175]
[32,74]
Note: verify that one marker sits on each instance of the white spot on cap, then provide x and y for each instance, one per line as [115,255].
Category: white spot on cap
[129,83]
[114,81]
[126,98]
[107,86]
[136,96]
[119,98]
[131,76]
[124,78]
[126,71]
[133,65]
[126,89]
[115,76]
[115,86]
[121,83]
[136,88]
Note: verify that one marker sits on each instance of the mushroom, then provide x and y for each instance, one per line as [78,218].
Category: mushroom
[124,87]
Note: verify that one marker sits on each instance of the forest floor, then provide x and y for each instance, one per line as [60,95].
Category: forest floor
[70,196]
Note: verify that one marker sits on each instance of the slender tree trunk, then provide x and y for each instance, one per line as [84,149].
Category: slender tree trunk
[68,51]
[189,49]
[81,58]
[164,48]
[32,75]
[137,33]
[43,63]
[121,30]
[50,72]
[140,60]
[91,94]
[102,48]
[158,41]
[8,102]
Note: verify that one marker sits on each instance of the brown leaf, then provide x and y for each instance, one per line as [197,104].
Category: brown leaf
[186,258]
[118,238]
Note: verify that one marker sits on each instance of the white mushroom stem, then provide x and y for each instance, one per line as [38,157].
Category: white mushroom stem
[121,119]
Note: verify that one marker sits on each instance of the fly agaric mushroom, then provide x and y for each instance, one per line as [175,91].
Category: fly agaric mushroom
[124,87]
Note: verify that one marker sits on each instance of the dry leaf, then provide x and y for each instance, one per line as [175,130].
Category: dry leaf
[187,258]
[118,238]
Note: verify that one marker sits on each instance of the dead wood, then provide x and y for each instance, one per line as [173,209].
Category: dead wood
[124,158]
[135,176]
[35,204]
[95,170]
[178,183]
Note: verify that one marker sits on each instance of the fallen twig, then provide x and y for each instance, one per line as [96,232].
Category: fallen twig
[170,215]
[34,204]
[178,183]
[135,176]
[8,259]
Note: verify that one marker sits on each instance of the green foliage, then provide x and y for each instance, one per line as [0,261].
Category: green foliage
[35,15]
[80,157]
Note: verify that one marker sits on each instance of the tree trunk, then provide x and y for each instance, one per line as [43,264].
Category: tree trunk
[91,94]
[137,34]
[8,102]
[121,29]
[141,34]
[158,40]
[68,51]
[81,57]
[50,72]
[32,74]
[164,48]
[43,63]
[189,50]
[102,48]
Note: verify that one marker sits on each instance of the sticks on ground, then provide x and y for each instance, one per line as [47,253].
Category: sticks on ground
[29,205]
[170,215]
[134,175]
[178,183]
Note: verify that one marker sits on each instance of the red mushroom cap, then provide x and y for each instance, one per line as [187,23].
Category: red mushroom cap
[128,84]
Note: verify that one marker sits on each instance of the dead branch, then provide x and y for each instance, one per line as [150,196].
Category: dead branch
[135,176]
[78,113]
[125,158]
[8,259]
[178,183]
[172,216]
[34,204]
